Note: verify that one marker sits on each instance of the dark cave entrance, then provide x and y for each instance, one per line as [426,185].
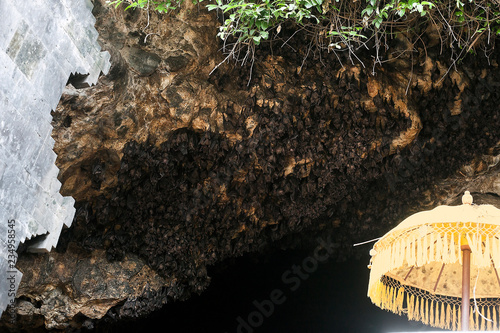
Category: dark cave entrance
[331,299]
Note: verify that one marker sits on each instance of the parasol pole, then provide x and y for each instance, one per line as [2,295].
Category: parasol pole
[465,287]
[466,200]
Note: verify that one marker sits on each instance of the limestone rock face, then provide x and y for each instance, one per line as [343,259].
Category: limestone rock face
[68,288]
[174,169]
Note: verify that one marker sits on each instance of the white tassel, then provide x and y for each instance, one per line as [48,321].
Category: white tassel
[472,246]
[420,252]
[479,248]
[487,256]
[396,256]
[391,258]
[453,254]
[439,248]
[399,254]
[412,249]
[432,247]
[460,237]
[408,252]
[426,251]
[446,250]
[494,250]
[495,253]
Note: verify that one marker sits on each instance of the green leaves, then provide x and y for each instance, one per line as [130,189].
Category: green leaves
[393,9]
[160,6]
[367,11]
[251,22]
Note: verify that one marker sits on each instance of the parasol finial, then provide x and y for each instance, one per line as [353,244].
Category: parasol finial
[467,198]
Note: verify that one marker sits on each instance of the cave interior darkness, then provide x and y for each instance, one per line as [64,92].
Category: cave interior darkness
[331,299]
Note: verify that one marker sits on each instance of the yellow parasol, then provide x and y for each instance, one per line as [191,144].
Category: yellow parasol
[440,267]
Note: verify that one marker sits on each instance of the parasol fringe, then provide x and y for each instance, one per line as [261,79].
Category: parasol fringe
[472,322]
[476,257]
[477,319]
[394,255]
[420,253]
[493,251]
[484,258]
[425,312]
[442,318]
[453,248]
[411,307]
[388,298]
[490,323]
[395,306]
[398,301]
[415,249]
[496,251]
[401,253]
[448,317]
[472,245]
[407,252]
[377,294]
[431,315]
[436,308]
[381,294]
[435,314]
[425,250]
[446,250]
[495,315]
[401,298]
[422,310]
[383,297]
[459,245]
[392,250]
[491,243]
[399,256]
[439,249]
[386,291]
[429,311]
[487,252]
[391,305]
[411,251]
[416,313]
[483,321]
[431,248]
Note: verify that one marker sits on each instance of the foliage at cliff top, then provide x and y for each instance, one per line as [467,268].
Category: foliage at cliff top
[349,25]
